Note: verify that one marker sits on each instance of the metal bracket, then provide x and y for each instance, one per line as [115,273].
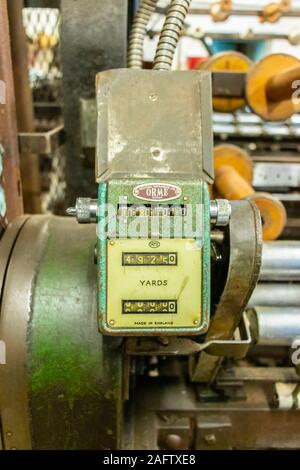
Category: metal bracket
[42,142]
[236,348]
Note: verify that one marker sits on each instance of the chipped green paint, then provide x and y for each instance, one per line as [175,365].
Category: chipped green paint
[74,373]
[59,354]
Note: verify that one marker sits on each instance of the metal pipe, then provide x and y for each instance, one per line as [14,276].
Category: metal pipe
[280,87]
[280,261]
[275,326]
[170,34]
[138,33]
[238,10]
[276,294]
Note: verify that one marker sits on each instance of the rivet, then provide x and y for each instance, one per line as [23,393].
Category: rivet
[185,198]
[112,322]
[9,434]
[196,322]
[112,242]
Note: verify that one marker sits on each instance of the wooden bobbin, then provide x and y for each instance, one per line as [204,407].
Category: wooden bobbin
[271,88]
[229,61]
[233,177]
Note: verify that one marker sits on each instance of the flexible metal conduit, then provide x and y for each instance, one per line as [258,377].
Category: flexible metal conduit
[170,34]
[138,33]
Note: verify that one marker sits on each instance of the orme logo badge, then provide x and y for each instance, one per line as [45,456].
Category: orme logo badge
[157,192]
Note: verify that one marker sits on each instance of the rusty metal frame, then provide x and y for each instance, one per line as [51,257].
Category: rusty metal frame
[42,142]
[11,179]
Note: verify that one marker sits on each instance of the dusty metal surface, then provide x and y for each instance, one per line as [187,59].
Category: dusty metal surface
[101,45]
[250,423]
[163,346]
[257,374]
[8,131]
[62,385]
[138,130]
[244,244]
[280,261]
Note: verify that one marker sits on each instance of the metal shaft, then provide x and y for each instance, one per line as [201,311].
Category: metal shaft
[280,261]
[276,294]
[276,326]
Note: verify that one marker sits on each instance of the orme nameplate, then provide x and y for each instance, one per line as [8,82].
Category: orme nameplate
[153,286]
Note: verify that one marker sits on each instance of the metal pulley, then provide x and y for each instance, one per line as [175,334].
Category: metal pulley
[62,385]
[233,178]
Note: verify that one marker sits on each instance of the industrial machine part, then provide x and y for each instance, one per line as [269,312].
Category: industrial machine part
[227,66]
[117,322]
[275,326]
[11,191]
[149,177]
[271,87]
[280,261]
[279,294]
[62,385]
[170,34]
[138,33]
[233,168]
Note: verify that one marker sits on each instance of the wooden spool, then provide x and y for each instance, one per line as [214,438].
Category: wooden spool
[233,178]
[270,87]
[230,61]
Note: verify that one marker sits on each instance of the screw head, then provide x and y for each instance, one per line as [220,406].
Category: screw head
[9,434]
[112,242]
[196,322]
[111,322]
[185,198]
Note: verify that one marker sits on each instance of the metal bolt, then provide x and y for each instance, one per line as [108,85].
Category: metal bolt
[112,242]
[174,442]
[85,211]
[195,322]
[220,212]
[112,322]
[210,438]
